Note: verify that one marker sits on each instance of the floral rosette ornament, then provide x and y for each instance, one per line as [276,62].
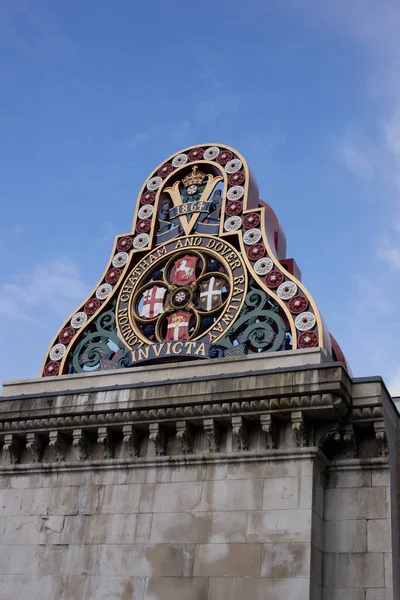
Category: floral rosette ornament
[66,335]
[113,275]
[256,251]
[165,170]
[148,197]
[236,179]
[124,244]
[92,305]
[143,226]
[251,220]
[196,154]
[234,208]
[205,262]
[224,157]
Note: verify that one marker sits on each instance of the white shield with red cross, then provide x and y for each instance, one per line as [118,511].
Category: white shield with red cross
[185,270]
[153,302]
[178,326]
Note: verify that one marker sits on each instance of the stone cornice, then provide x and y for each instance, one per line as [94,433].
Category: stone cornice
[115,422]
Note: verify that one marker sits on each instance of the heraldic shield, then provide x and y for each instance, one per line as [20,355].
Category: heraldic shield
[185,270]
[153,302]
[178,326]
[211,293]
[202,273]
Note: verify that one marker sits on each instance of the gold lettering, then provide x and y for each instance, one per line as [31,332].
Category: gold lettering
[123,312]
[123,321]
[175,349]
[189,242]
[157,348]
[161,251]
[143,353]
[133,355]
[236,264]
[237,291]
[132,339]
[227,318]
[168,348]
[237,280]
[211,244]
[124,297]
[178,244]
[189,347]
[231,307]
[200,350]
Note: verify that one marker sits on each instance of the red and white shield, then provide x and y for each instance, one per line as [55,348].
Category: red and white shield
[153,302]
[178,326]
[185,270]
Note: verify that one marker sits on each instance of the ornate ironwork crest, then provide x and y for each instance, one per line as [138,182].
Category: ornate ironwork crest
[202,274]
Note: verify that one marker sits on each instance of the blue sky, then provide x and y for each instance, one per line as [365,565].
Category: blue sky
[95,94]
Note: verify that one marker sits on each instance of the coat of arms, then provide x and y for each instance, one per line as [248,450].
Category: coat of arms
[211,293]
[185,270]
[178,326]
[153,302]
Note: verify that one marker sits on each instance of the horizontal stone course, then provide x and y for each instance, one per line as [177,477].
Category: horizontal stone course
[163,560]
[288,492]
[111,529]
[232,495]
[345,536]
[285,560]
[176,528]
[228,560]
[343,594]
[288,525]
[170,497]
[173,588]
[276,589]
[355,503]
[379,538]
[354,570]
[351,477]
[13,587]
[225,587]
[379,595]
[228,527]
[105,588]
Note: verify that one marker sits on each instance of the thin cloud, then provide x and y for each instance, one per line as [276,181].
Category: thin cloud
[356,162]
[390,253]
[55,286]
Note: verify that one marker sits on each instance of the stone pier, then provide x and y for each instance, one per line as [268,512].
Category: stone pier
[265,478]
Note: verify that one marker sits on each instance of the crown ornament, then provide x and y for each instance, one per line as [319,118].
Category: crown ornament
[194,178]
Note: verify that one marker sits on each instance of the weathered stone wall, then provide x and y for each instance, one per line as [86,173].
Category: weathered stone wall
[266,484]
[357,532]
[207,531]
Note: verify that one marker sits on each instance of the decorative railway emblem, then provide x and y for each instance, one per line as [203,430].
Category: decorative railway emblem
[202,274]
